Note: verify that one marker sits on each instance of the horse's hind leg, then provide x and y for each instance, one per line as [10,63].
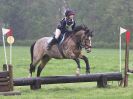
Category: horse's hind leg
[33,66]
[44,61]
[78,66]
[32,69]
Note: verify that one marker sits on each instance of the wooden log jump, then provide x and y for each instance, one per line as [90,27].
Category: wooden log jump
[100,78]
[6,81]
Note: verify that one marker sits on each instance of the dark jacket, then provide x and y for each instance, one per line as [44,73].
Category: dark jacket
[66,25]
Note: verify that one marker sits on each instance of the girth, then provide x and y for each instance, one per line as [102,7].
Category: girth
[61,51]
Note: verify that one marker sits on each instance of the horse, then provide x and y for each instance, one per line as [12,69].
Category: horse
[70,48]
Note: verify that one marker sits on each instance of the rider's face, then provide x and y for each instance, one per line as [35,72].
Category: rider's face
[71,16]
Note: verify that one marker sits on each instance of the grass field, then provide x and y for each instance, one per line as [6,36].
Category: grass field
[101,60]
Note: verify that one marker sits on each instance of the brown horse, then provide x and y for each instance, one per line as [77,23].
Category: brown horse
[70,48]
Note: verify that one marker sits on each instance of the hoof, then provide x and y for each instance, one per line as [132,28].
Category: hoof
[88,72]
[77,74]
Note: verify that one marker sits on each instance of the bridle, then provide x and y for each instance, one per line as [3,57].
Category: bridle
[84,43]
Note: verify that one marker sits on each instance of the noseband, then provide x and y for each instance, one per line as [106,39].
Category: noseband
[84,43]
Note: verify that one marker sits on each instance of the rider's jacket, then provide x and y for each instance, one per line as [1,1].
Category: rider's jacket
[66,25]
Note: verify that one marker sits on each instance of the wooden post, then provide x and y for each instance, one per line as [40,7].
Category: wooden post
[126,65]
[36,84]
[10,75]
[102,82]
[7,87]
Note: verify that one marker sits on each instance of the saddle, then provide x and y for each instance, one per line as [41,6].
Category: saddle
[61,39]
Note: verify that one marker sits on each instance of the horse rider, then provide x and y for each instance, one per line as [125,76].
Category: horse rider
[66,24]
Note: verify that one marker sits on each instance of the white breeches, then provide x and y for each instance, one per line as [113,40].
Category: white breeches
[57,33]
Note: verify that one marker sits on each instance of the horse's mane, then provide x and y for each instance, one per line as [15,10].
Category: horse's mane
[80,27]
[76,29]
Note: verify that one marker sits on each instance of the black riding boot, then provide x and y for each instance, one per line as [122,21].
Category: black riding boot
[51,43]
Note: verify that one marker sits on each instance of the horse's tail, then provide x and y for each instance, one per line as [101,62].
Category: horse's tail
[31,51]
[32,68]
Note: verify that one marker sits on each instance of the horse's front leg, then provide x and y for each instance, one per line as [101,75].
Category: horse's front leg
[78,66]
[86,62]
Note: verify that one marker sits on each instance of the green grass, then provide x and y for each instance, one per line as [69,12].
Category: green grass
[101,60]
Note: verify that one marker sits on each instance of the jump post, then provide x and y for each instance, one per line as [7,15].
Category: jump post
[6,81]
[127,71]
[100,78]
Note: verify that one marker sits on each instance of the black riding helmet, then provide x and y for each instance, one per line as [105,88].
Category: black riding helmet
[69,12]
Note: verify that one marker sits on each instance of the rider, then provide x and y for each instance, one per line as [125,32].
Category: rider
[66,24]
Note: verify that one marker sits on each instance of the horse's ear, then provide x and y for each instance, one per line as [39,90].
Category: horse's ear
[91,33]
[87,32]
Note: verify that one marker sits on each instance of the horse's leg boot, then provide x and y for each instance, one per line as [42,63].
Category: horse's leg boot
[51,43]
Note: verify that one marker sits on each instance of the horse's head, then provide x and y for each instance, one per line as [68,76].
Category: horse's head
[86,40]
[84,35]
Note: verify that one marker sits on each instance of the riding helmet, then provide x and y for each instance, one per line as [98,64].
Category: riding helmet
[69,12]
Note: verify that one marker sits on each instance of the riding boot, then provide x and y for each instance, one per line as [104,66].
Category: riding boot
[51,43]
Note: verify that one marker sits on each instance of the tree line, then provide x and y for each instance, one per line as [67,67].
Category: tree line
[32,19]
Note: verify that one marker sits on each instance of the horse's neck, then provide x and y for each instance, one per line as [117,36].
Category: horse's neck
[72,40]
[77,37]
